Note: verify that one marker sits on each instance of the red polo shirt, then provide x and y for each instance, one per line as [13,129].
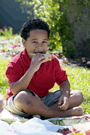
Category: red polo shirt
[42,81]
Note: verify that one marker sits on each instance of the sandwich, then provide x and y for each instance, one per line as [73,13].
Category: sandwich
[48,57]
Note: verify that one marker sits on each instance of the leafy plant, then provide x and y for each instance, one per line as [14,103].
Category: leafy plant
[69,48]
[7,32]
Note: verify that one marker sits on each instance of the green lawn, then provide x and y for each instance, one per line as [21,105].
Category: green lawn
[79,80]
[3,79]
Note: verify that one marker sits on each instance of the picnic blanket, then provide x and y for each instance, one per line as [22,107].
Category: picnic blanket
[34,126]
[15,125]
[20,126]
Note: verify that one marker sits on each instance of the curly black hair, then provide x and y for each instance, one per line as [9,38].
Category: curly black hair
[32,25]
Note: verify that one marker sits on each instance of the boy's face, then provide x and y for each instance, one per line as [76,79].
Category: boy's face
[37,42]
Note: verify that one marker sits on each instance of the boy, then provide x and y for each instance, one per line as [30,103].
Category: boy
[30,79]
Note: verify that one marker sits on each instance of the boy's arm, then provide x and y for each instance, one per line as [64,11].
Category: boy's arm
[24,81]
[65,93]
[65,88]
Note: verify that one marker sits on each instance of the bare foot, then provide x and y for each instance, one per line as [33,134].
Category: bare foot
[75,111]
[37,116]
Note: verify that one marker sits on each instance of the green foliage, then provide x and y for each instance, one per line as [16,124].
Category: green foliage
[69,48]
[50,11]
[54,12]
[7,32]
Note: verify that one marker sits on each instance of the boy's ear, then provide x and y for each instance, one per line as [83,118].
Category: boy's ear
[24,42]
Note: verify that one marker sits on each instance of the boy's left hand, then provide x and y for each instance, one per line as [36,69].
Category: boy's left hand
[63,102]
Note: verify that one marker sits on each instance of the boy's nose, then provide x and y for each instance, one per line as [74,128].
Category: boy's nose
[39,48]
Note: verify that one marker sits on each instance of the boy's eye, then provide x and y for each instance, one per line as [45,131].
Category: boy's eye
[44,42]
[34,42]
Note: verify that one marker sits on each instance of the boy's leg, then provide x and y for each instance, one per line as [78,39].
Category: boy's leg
[26,102]
[76,98]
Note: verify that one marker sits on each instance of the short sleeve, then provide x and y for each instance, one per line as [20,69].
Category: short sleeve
[13,72]
[60,74]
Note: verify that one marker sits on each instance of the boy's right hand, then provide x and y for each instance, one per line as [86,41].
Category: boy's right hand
[36,62]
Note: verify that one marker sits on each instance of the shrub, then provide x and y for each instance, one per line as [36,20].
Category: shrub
[69,48]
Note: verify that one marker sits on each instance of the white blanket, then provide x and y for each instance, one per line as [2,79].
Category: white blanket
[34,126]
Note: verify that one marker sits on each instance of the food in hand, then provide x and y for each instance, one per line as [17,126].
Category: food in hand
[48,57]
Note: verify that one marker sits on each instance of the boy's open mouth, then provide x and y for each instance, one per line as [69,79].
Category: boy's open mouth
[39,52]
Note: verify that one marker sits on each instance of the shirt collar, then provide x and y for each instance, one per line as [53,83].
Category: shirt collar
[25,57]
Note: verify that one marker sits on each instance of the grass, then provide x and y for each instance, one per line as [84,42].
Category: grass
[3,79]
[79,80]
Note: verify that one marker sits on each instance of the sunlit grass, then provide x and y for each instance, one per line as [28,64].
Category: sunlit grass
[79,80]
[3,79]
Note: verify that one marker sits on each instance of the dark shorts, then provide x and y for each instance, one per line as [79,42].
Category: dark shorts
[48,100]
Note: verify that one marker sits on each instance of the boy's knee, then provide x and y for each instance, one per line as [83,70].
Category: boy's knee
[81,96]
[78,95]
[23,98]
